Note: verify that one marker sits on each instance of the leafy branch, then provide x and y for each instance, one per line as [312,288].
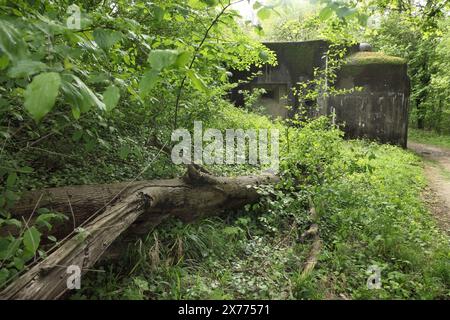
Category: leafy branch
[197,49]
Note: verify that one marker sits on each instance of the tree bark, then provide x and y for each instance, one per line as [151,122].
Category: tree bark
[141,204]
[313,233]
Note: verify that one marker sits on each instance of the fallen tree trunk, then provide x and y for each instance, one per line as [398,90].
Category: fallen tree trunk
[197,195]
[79,203]
[313,233]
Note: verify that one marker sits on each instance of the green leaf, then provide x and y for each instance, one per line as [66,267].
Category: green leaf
[31,239]
[99,77]
[76,112]
[257,5]
[362,19]
[4,61]
[18,263]
[197,82]
[106,38]
[344,12]
[264,13]
[45,219]
[141,283]
[77,135]
[258,30]
[211,3]
[90,145]
[160,59]
[40,94]
[124,151]
[25,68]
[11,42]
[148,81]
[196,4]
[11,196]
[12,177]
[231,230]
[264,56]
[111,97]
[27,255]
[158,13]
[42,210]
[4,275]
[325,13]
[79,96]
[4,244]
[88,95]
[12,249]
[11,222]
[26,170]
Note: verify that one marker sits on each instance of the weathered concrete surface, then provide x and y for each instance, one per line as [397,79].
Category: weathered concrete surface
[379,111]
[296,63]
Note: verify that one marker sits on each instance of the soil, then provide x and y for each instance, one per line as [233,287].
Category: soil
[437,170]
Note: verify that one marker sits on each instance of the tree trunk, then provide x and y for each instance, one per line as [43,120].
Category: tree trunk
[143,204]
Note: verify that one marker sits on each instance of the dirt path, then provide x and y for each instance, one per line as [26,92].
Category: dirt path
[437,170]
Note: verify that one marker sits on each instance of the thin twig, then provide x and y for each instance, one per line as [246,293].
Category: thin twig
[35,208]
[71,211]
[53,152]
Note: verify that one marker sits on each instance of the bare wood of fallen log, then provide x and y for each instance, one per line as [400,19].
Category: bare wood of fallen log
[312,233]
[144,203]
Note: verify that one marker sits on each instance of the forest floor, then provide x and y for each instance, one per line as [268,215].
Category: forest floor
[437,170]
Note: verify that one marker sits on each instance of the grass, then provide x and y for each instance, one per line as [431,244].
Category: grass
[368,200]
[429,137]
[210,259]
[375,216]
[445,172]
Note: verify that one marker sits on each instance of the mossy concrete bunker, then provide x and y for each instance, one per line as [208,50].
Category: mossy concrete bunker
[373,89]
[377,108]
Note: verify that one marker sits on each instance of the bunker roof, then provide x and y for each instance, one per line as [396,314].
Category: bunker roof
[367,57]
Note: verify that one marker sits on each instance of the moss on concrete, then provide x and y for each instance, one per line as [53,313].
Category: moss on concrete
[364,58]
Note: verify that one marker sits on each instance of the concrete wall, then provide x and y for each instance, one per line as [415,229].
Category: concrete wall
[380,110]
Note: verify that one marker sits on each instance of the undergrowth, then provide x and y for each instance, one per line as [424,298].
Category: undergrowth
[370,214]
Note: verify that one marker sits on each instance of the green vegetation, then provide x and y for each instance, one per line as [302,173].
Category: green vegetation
[421,36]
[418,33]
[380,216]
[367,197]
[94,103]
[80,104]
[363,58]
